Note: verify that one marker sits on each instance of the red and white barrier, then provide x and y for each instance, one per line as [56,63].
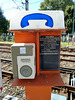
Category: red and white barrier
[1,87]
[73,39]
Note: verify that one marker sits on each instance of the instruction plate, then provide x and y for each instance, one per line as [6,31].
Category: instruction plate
[49,52]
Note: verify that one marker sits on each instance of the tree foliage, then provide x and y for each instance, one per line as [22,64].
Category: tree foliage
[69,18]
[4,24]
[55,4]
[65,5]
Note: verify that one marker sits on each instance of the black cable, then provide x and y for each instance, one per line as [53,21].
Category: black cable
[16,4]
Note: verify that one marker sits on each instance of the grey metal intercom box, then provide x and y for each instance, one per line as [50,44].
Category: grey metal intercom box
[23,60]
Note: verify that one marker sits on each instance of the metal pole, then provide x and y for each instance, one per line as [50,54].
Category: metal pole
[70,96]
[26,4]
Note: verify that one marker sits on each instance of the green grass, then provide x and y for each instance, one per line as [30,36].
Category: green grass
[6,42]
[65,44]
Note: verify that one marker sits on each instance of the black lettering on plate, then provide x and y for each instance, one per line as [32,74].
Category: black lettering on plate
[49,53]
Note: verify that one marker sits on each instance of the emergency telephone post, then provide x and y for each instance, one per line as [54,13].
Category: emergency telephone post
[36,52]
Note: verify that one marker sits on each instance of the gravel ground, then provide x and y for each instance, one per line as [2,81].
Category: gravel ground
[8,89]
[6,55]
[16,91]
[68,64]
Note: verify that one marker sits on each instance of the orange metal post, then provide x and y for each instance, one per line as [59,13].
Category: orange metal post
[38,93]
[25,37]
[40,87]
[38,57]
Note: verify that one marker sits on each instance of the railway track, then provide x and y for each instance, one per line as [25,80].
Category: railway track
[67,70]
[66,88]
[5,44]
[6,60]
[68,49]
[62,69]
[6,48]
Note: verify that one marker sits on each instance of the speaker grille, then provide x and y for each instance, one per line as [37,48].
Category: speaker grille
[26,71]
